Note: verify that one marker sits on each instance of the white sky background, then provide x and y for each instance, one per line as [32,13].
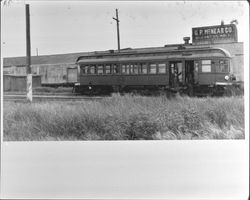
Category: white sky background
[79,26]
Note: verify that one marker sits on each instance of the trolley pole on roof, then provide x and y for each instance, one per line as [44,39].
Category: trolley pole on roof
[117,24]
[28,56]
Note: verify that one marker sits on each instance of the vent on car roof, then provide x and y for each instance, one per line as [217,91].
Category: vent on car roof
[186,40]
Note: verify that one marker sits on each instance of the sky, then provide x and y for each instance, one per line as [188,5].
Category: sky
[81,26]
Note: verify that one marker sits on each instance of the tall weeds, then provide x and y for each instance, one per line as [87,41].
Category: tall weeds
[126,118]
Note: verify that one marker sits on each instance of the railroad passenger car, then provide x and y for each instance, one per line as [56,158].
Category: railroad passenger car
[192,70]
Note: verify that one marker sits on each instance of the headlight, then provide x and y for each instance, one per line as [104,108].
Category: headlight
[226,77]
[76,84]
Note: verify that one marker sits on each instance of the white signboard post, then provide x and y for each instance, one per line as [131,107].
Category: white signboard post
[29,87]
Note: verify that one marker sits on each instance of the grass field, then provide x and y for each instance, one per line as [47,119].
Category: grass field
[126,118]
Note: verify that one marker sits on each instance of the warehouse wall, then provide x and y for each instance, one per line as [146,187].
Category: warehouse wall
[50,73]
[18,83]
[18,70]
[54,74]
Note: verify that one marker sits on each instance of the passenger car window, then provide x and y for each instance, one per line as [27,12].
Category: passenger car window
[206,66]
[223,66]
[125,69]
[115,69]
[135,69]
[152,68]
[100,69]
[162,68]
[130,69]
[92,69]
[108,69]
[144,69]
[84,69]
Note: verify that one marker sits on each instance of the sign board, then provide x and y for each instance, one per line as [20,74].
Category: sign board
[214,34]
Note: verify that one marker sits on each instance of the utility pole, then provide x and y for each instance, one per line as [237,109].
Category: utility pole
[28,56]
[117,24]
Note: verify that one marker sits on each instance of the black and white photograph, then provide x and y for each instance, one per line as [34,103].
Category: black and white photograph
[124,99]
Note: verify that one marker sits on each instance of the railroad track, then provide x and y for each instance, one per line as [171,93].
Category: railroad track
[21,97]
